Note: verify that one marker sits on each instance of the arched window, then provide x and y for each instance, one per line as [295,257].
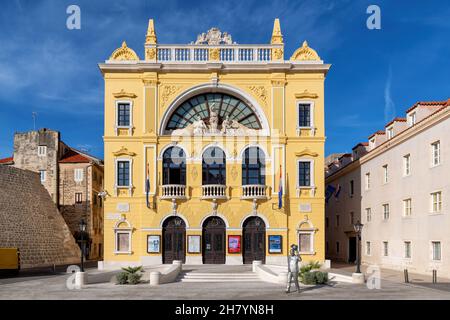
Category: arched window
[199,107]
[214,166]
[174,166]
[253,167]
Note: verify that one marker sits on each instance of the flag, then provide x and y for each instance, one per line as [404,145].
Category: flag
[338,190]
[280,192]
[147,186]
[329,192]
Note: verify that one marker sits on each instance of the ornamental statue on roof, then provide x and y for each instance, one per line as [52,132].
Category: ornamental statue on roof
[214,37]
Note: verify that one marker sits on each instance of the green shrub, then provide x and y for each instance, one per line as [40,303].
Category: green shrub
[134,278]
[132,269]
[308,278]
[122,278]
[321,277]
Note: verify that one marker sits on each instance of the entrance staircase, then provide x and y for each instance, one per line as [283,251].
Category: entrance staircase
[218,274]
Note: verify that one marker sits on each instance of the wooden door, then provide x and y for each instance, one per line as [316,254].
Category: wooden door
[174,240]
[254,246]
[214,241]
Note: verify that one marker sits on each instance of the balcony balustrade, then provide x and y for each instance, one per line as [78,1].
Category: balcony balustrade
[254,191]
[173,191]
[222,53]
[214,191]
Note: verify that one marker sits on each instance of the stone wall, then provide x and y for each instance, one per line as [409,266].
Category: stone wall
[26,156]
[30,221]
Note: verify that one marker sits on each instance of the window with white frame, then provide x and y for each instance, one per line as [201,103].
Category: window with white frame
[123,114]
[305,115]
[368,214]
[385,174]
[306,241]
[436,153]
[386,211]
[123,241]
[305,170]
[390,132]
[412,119]
[78,175]
[407,207]
[436,250]
[43,175]
[123,173]
[367,180]
[42,151]
[368,248]
[406,165]
[407,247]
[385,248]
[436,201]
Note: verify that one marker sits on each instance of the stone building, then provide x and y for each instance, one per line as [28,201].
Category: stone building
[73,179]
[214,152]
[397,185]
[30,221]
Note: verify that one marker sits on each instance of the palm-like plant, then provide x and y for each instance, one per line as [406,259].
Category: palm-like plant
[132,270]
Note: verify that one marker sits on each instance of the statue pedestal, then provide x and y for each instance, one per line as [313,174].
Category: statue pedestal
[358,277]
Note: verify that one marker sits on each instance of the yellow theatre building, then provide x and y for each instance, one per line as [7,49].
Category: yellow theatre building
[198,139]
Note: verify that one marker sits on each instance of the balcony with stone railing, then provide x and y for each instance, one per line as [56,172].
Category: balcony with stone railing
[214,191]
[254,191]
[173,191]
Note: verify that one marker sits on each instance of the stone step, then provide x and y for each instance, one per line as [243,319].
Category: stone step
[218,277]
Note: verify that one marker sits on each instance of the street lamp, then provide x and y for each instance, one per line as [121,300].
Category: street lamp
[82,230]
[358,228]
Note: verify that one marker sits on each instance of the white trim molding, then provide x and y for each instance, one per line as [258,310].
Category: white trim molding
[116,118]
[312,187]
[130,184]
[311,126]
[120,230]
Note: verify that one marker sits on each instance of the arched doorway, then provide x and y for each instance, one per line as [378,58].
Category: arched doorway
[174,240]
[254,234]
[214,241]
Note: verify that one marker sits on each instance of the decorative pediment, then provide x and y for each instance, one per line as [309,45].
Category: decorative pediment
[306,152]
[124,152]
[305,53]
[124,94]
[124,54]
[306,95]
[214,37]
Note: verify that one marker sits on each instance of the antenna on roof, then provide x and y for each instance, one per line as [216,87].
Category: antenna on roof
[34,115]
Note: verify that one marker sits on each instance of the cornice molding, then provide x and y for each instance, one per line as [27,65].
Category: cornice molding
[306,95]
[124,152]
[124,94]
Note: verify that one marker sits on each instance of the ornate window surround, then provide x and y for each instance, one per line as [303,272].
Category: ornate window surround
[311,187]
[130,185]
[116,115]
[127,230]
[311,231]
[311,127]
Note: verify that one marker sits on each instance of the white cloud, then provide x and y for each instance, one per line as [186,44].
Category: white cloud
[389,105]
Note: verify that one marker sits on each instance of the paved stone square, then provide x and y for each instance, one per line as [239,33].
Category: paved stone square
[54,287]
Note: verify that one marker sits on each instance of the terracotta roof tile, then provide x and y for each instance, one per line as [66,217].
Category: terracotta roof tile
[7,160]
[72,156]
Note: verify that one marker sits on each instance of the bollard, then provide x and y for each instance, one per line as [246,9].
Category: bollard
[155,277]
[80,279]
[405,272]
[434,276]
[256,263]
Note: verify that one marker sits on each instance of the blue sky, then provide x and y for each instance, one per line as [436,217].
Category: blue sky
[376,74]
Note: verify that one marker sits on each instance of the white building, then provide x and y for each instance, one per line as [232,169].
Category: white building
[398,186]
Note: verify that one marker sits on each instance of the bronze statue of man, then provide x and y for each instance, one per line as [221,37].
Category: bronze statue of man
[293,268]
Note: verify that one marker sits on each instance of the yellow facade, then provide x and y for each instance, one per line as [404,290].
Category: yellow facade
[154,89]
